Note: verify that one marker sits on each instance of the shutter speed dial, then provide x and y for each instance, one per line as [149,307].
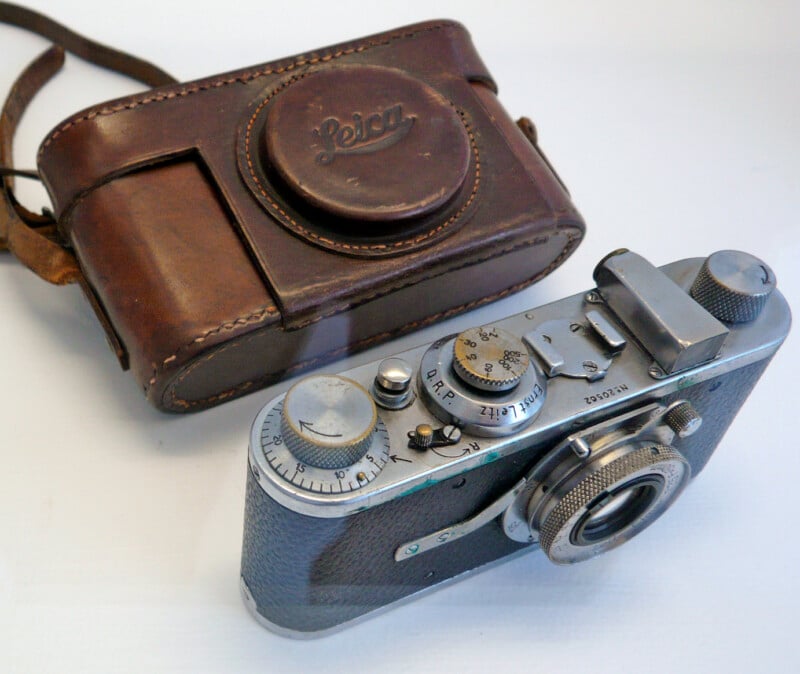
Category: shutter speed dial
[325,435]
[328,421]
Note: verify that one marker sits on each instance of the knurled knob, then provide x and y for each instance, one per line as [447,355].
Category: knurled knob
[391,388]
[733,286]
[423,436]
[328,421]
[489,358]
[683,419]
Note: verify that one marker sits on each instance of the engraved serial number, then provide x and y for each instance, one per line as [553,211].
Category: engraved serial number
[606,394]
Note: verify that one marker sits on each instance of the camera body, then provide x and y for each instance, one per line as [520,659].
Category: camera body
[569,427]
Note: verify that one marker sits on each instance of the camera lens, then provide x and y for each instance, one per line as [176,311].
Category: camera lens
[599,504]
[615,510]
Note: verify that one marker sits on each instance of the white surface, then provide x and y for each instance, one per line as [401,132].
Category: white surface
[675,126]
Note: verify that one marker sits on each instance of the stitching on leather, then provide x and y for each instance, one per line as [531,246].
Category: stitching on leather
[290,222]
[401,286]
[254,317]
[174,402]
[243,78]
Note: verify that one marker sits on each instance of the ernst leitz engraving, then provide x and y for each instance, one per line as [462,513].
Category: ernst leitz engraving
[364,135]
[568,428]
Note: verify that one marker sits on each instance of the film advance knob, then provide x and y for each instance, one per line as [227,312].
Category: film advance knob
[733,286]
[489,358]
[328,421]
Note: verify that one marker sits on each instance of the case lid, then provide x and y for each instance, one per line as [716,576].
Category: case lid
[367,144]
[363,159]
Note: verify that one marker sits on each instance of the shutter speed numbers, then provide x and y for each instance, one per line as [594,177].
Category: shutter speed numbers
[324,436]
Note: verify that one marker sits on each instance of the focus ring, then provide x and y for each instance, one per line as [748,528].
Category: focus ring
[595,484]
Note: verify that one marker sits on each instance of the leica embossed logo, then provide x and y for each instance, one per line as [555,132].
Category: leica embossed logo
[365,135]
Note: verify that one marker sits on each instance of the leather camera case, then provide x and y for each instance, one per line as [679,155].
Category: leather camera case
[242,228]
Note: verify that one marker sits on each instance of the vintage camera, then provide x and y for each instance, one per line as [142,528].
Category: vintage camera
[570,427]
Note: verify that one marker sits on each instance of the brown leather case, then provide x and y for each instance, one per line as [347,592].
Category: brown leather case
[239,229]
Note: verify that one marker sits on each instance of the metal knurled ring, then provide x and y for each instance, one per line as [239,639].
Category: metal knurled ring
[596,483]
[484,382]
[723,302]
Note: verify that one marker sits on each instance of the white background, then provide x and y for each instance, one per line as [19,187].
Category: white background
[675,125]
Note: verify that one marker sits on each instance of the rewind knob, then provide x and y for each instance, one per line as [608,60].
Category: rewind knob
[328,421]
[733,286]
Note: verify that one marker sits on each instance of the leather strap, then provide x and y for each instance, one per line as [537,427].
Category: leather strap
[31,237]
[20,173]
[83,47]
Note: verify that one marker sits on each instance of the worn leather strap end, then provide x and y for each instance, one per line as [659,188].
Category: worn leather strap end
[29,236]
[34,243]
[42,256]
[11,209]
[26,86]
